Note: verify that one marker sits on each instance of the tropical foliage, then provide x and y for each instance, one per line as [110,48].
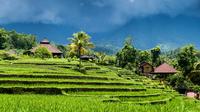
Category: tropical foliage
[42,52]
[14,40]
[127,55]
[144,56]
[155,55]
[104,59]
[80,44]
[6,56]
[186,59]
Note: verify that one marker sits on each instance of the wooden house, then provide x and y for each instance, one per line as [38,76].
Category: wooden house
[146,68]
[163,70]
[45,43]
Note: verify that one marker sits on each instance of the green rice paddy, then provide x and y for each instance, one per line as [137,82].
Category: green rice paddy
[52,85]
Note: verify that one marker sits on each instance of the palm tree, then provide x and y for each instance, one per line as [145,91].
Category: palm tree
[80,44]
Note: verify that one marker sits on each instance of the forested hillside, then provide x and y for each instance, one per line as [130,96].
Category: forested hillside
[14,40]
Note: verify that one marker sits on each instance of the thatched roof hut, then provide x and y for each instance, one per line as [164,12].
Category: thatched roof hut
[45,43]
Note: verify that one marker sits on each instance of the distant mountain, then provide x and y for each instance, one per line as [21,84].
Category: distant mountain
[168,32]
[108,49]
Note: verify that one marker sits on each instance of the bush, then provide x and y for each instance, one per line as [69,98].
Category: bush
[131,67]
[6,56]
[104,59]
[179,81]
[176,80]
[109,60]
[196,88]
[80,69]
[197,67]
[43,52]
[195,77]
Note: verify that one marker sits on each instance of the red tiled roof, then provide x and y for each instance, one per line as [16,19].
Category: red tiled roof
[164,68]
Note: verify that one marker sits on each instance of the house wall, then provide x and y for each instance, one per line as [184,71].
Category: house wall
[147,68]
[191,94]
[58,55]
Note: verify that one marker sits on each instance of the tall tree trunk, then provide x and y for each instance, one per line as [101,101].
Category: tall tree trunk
[79,55]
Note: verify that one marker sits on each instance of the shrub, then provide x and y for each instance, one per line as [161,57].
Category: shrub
[195,77]
[42,52]
[110,60]
[179,81]
[104,59]
[197,67]
[6,56]
[176,80]
[131,67]
[80,69]
[196,88]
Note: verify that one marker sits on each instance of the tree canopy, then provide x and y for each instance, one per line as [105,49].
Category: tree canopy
[42,52]
[144,56]
[80,44]
[155,55]
[127,55]
[14,40]
[186,59]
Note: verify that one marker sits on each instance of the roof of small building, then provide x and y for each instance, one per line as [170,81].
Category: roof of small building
[88,56]
[145,63]
[165,69]
[45,43]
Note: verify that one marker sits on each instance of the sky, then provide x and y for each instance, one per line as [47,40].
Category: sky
[169,23]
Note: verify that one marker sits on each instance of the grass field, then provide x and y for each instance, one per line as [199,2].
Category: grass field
[34,85]
[49,103]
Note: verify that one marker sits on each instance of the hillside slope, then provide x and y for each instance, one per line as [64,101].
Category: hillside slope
[55,84]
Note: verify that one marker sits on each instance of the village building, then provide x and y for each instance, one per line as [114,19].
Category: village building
[146,68]
[88,57]
[191,94]
[163,70]
[45,43]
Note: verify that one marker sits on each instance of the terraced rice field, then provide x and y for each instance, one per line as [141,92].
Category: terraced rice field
[55,86]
